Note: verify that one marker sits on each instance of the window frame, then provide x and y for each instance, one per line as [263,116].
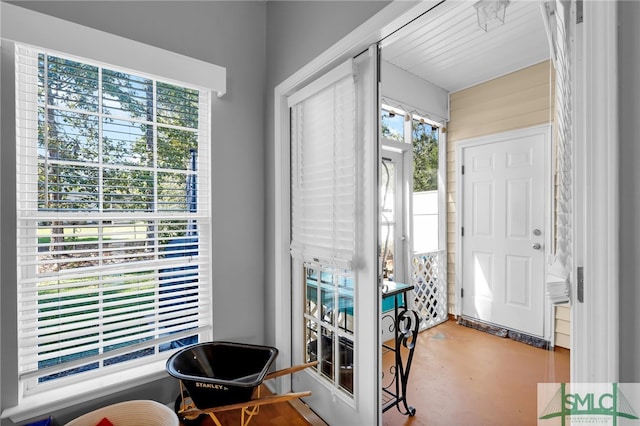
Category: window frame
[23,26]
[29,383]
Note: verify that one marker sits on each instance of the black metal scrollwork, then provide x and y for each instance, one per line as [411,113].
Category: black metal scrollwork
[406,324]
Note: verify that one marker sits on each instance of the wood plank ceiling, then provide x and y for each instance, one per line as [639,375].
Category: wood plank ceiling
[447,47]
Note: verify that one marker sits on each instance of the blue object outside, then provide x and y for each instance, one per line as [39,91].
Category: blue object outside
[43,422]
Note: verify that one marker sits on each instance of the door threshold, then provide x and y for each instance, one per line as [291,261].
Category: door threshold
[307,413]
[500,331]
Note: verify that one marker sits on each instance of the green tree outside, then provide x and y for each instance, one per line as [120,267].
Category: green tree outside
[425,150]
[425,157]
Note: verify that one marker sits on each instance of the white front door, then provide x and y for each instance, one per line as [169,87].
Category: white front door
[335,310]
[504,230]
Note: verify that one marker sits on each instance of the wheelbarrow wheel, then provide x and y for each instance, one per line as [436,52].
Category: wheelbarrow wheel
[189,420]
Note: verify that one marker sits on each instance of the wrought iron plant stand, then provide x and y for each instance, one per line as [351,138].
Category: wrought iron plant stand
[405,324]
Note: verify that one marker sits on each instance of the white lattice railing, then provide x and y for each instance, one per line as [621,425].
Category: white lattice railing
[429,296]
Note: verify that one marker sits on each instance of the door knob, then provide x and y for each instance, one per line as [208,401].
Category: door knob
[536,246]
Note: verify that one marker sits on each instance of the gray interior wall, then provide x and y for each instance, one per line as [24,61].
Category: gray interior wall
[230,34]
[629,110]
[297,32]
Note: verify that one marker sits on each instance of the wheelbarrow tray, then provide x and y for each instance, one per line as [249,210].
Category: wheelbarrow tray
[221,373]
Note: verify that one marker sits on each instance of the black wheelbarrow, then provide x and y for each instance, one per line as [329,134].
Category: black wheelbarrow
[223,376]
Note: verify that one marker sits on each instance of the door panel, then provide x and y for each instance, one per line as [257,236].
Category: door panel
[503,203]
[483,218]
[518,208]
[518,281]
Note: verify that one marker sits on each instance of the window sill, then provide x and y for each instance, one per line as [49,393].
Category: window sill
[49,401]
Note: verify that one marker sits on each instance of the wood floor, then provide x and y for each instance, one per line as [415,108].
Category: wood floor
[459,376]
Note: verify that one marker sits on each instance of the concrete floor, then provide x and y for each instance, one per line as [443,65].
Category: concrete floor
[461,376]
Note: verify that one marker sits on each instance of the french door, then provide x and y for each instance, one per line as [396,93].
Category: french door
[336,297]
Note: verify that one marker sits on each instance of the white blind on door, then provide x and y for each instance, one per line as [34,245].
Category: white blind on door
[323,170]
[112,217]
[557,17]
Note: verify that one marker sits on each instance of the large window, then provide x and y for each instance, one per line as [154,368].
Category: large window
[422,137]
[112,218]
[412,197]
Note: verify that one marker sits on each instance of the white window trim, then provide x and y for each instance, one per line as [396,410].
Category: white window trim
[43,403]
[25,26]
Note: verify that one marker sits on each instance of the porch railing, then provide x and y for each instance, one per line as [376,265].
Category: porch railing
[429,296]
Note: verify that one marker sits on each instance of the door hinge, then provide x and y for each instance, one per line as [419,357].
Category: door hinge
[462,292]
[579,12]
[581,284]
[463,169]
[462,231]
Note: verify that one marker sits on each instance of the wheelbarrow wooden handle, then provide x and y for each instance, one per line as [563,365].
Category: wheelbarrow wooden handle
[271,399]
[290,370]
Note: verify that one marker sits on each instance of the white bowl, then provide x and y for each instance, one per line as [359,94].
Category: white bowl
[130,413]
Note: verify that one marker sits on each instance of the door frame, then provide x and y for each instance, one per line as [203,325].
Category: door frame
[379,26]
[402,207]
[595,338]
[544,130]
[595,344]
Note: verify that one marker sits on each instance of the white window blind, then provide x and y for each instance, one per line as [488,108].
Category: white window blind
[323,168]
[113,216]
[556,18]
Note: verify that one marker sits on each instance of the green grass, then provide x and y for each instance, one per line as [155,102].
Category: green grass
[89,234]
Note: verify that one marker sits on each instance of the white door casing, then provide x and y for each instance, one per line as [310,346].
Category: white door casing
[503,214]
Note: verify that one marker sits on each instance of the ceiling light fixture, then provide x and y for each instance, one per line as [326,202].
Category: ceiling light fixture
[488,10]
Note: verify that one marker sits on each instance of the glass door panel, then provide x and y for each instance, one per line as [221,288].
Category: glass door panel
[332,313]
